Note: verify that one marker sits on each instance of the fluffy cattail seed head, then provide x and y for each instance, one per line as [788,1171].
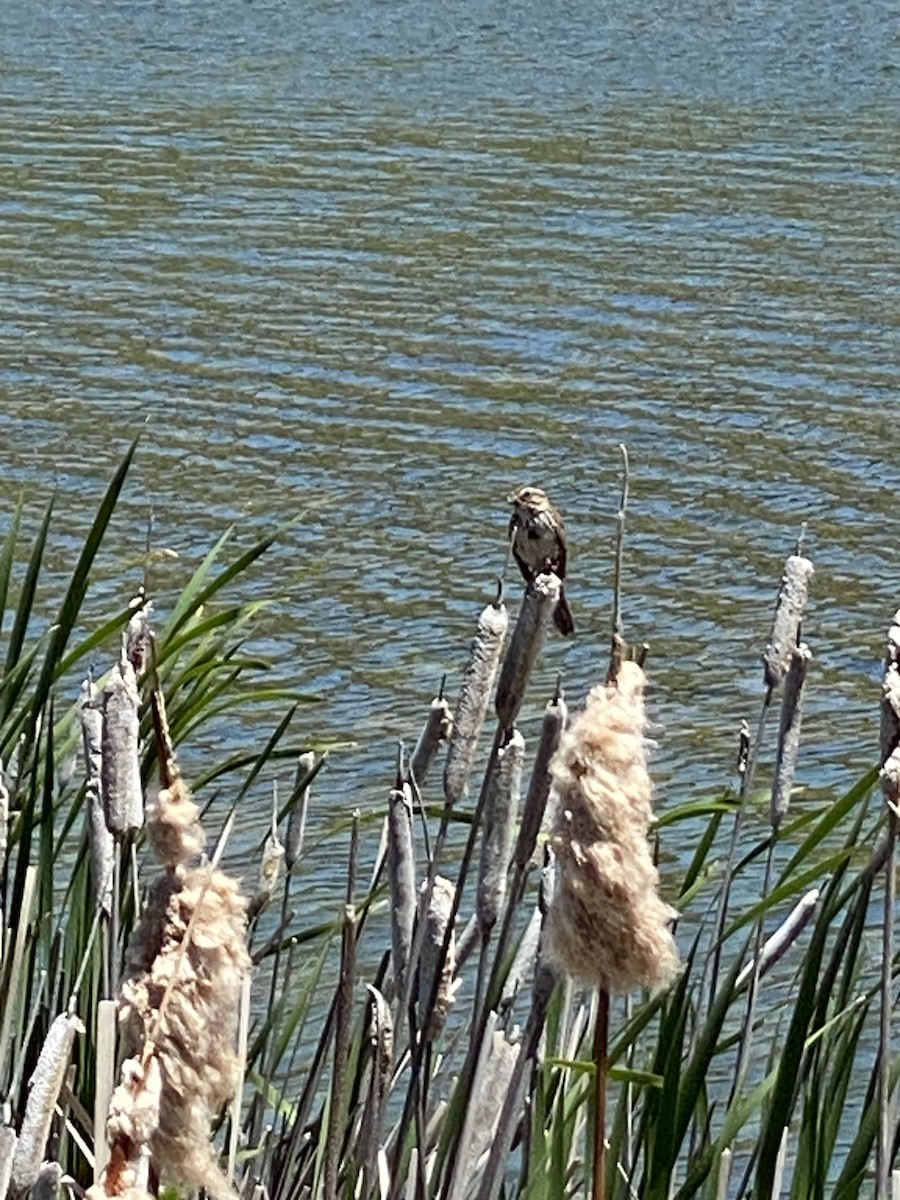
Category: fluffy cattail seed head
[607,924]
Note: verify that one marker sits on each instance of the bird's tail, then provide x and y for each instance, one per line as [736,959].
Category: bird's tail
[562,615]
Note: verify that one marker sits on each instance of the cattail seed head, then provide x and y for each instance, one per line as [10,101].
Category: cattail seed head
[554,723]
[44,1089]
[402,875]
[474,695]
[122,794]
[173,823]
[293,838]
[501,810]
[607,924]
[788,614]
[437,730]
[789,732]
[102,843]
[440,906]
[538,603]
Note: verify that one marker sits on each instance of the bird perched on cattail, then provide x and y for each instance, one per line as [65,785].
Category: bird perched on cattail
[538,538]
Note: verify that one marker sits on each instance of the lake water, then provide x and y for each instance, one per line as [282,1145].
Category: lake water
[380,262]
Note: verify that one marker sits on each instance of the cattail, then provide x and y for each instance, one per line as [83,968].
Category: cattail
[890,716]
[440,906]
[130,1126]
[7,1153]
[122,794]
[554,723]
[102,843]
[788,615]
[402,875]
[138,637]
[181,1001]
[524,963]
[538,604]
[270,867]
[173,823]
[293,838]
[474,695]
[789,733]
[436,731]
[606,922]
[501,810]
[43,1093]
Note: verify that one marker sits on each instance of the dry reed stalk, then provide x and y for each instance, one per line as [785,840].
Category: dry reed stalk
[43,1093]
[381,1042]
[606,922]
[501,810]
[273,857]
[401,866]
[440,906]
[789,732]
[17,964]
[798,571]
[474,695]
[538,604]
[4,817]
[437,730]
[123,800]
[102,843]
[296,826]
[105,1070]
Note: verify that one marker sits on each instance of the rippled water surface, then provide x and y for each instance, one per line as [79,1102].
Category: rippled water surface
[378,262]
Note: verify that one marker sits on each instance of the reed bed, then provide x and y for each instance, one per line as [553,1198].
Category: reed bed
[523,999]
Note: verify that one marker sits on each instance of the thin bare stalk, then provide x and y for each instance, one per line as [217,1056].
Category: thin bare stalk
[344,1017]
[601,1067]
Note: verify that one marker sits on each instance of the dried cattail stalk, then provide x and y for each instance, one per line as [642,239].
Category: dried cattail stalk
[401,866]
[784,936]
[606,922]
[270,867]
[102,843]
[122,794]
[381,1040]
[788,615]
[501,811]
[789,733]
[538,604]
[474,695]
[523,965]
[293,838]
[43,1093]
[7,1152]
[181,1000]
[436,731]
[555,717]
[440,906]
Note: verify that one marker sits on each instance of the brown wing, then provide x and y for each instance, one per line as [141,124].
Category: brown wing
[512,530]
[561,560]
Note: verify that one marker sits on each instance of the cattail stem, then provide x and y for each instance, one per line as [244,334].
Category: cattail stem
[601,1071]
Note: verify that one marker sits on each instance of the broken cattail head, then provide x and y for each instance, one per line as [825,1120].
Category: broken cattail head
[538,605]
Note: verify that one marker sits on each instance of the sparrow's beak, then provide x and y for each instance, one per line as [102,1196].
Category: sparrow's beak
[512,497]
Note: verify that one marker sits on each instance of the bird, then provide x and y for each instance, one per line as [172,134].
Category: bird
[537,535]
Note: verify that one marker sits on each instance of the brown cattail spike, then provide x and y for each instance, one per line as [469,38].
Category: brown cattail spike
[501,812]
[44,1089]
[474,695]
[606,922]
[788,616]
[789,732]
[122,794]
[538,605]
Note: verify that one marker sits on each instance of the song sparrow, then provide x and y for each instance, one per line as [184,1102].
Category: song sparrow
[538,538]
